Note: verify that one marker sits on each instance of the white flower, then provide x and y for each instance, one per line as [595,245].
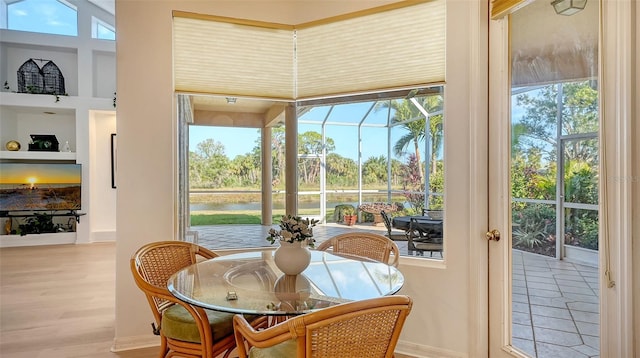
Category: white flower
[293,228]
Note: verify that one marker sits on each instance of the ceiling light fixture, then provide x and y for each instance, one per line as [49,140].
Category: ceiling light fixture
[568,7]
[231,100]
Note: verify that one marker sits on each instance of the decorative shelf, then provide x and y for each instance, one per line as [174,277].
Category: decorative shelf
[38,239]
[26,155]
[75,214]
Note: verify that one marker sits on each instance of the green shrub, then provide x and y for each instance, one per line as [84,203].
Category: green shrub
[582,228]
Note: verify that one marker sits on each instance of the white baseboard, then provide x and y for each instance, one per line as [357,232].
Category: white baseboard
[135,342]
[103,236]
[422,351]
[581,255]
[38,239]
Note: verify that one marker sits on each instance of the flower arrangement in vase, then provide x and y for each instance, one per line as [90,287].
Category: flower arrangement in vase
[292,229]
[295,237]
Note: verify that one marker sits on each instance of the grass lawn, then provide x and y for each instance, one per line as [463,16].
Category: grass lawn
[200,218]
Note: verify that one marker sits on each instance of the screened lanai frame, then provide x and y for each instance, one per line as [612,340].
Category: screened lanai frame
[555,90]
[333,113]
[568,200]
[387,121]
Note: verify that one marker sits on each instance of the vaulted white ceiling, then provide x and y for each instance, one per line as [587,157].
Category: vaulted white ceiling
[107,5]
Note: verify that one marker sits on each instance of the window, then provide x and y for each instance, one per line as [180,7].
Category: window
[382,150]
[389,149]
[101,30]
[45,16]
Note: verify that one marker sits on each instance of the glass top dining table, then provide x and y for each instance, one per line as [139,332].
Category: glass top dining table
[250,283]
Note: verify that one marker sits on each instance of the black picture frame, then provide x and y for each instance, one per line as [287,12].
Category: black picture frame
[114,152]
[43,143]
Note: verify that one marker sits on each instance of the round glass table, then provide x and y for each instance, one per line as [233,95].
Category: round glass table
[250,283]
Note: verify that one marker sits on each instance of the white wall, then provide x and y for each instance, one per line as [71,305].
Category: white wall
[445,319]
[103,213]
[449,316]
[104,74]
[88,67]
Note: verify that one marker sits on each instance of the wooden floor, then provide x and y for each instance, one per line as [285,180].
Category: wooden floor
[59,302]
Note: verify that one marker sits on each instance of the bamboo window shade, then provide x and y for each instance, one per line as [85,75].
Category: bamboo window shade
[549,48]
[501,8]
[401,46]
[220,57]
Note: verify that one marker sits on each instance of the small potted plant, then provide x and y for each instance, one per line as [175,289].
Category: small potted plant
[349,215]
[338,213]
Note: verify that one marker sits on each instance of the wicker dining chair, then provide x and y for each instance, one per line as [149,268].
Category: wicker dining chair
[397,236]
[364,244]
[367,328]
[184,330]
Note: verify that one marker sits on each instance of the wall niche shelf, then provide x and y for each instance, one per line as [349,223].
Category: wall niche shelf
[26,155]
[34,239]
[84,116]
[38,239]
[59,213]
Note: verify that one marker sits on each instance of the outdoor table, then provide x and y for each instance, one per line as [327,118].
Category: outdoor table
[376,208]
[250,283]
[424,223]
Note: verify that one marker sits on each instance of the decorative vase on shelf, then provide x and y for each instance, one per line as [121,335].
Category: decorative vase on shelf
[292,257]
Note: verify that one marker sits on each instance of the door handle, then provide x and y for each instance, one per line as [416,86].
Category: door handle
[493,235]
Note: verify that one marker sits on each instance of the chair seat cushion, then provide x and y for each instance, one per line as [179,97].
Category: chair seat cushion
[177,323]
[285,349]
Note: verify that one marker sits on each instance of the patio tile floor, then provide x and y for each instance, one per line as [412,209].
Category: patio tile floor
[555,303]
[563,306]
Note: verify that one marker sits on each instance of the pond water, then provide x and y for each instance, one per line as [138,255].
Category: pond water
[257,206]
[276,206]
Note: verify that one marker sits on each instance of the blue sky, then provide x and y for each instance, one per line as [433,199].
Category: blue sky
[374,139]
[342,126]
[42,16]
[50,16]
[239,141]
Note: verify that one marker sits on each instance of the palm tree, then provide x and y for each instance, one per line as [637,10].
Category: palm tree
[413,119]
[433,104]
[409,116]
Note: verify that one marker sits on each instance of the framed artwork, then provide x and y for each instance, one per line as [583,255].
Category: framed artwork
[114,152]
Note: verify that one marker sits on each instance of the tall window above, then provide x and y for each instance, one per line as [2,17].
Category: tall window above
[101,30]
[56,17]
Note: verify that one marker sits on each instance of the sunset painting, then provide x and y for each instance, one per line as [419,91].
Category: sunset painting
[30,187]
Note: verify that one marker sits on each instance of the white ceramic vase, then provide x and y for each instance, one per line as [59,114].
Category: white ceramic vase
[292,257]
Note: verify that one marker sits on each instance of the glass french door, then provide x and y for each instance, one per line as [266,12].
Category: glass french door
[543,150]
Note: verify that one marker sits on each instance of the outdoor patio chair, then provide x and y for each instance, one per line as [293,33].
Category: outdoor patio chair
[421,240]
[364,244]
[184,330]
[367,328]
[433,214]
[395,236]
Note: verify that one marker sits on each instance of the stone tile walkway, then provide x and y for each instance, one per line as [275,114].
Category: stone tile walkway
[555,307]
[226,236]
[555,303]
